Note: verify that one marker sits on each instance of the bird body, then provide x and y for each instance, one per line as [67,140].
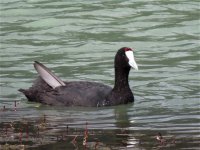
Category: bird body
[51,90]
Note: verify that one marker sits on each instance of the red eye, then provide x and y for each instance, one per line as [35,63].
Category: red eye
[127,49]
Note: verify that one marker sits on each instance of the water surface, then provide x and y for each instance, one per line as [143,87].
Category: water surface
[78,41]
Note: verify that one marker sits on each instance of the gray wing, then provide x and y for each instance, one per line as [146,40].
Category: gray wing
[50,78]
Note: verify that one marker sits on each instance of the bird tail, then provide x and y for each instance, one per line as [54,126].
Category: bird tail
[50,78]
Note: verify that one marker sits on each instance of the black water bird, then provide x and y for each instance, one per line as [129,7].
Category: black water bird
[51,90]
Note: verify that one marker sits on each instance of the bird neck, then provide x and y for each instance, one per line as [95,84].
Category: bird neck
[121,78]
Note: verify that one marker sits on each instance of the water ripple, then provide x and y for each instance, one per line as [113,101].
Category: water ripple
[78,41]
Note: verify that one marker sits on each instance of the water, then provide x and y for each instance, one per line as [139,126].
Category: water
[78,41]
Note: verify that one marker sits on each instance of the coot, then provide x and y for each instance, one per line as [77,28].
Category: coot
[51,90]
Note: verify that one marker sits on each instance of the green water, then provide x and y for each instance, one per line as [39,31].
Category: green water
[78,41]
